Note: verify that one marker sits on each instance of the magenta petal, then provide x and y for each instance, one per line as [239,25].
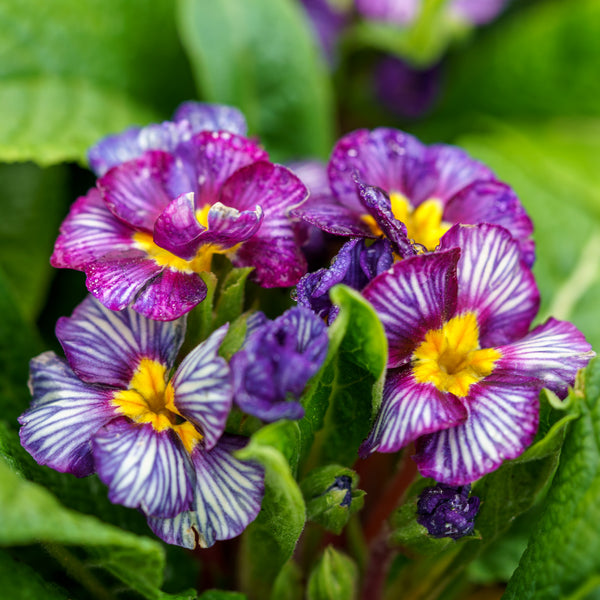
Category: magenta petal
[104,346]
[493,282]
[548,357]
[414,296]
[496,203]
[330,216]
[64,416]
[170,295]
[384,158]
[203,164]
[135,191]
[409,410]
[502,423]
[117,281]
[444,172]
[144,468]
[203,388]
[228,496]
[89,232]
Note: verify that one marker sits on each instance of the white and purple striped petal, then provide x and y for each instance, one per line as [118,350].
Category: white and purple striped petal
[417,294]
[549,356]
[384,158]
[64,416]
[395,12]
[104,346]
[228,496]
[493,282]
[273,250]
[409,410]
[89,232]
[203,389]
[502,422]
[135,191]
[496,203]
[144,468]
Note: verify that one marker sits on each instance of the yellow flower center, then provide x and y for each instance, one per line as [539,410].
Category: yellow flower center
[424,224]
[450,357]
[198,264]
[150,399]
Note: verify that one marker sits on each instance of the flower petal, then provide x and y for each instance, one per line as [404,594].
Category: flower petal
[493,282]
[496,203]
[273,250]
[384,158]
[135,191]
[330,216]
[170,295]
[417,294]
[228,497]
[502,423]
[64,415]
[89,232]
[410,409]
[203,390]
[203,164]
[548,357]
[114,150]
[144,468]
[104,346]
[203,116]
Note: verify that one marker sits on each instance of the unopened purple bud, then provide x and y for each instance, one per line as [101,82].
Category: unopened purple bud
[447,511]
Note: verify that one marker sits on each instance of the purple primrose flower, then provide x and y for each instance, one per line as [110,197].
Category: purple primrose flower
[447,511]
[154,439]
[149,230]
[386,181]
[464,371]
[275,363]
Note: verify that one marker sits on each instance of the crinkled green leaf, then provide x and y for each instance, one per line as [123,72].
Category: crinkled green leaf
[30,514]
[33,202]
[562,559]
[344,396]
[260,56]
[335,577]
[71,72]
[21,582]
[268,542]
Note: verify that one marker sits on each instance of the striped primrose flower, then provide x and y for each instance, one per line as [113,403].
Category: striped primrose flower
[149,229]
[278,358]
[155,439]
[464,371]
[387,182]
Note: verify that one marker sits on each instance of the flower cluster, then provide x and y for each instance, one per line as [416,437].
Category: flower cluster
[438,245]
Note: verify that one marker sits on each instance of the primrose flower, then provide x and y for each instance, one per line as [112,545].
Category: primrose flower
[385,178]
[149,230]
[354,265]
[276,362]
[464,372]
[155,440]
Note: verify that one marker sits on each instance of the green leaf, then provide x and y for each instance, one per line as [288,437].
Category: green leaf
[231,296]
[221,595]
[21,582]
[33,202]
[83,70]
[562,559]
[261,57]
[331,496]
[346,393]
[541,60]
[288,585]
[30,514]
[268,542]
[335,577]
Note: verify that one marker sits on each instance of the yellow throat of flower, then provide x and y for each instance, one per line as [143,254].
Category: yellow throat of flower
[450,357]
[150,399]
[424,223]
